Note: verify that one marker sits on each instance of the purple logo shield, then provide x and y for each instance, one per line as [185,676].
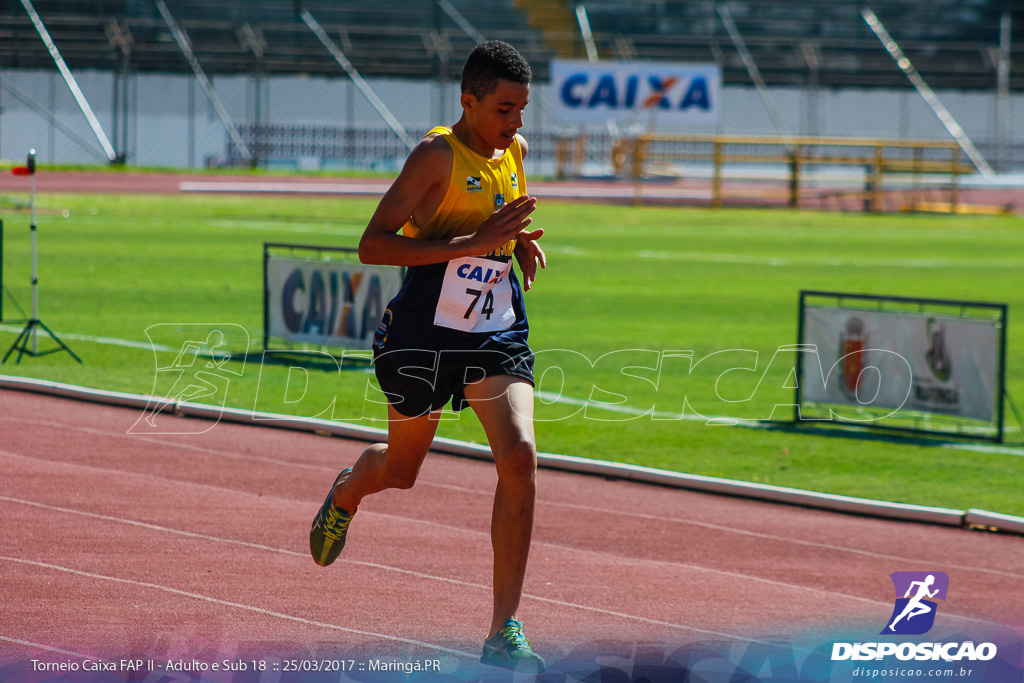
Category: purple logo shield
[916,593]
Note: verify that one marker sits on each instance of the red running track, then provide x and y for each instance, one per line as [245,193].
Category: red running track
[692,192]
[194,546]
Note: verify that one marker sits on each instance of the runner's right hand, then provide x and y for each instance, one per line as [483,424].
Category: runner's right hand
[503,225]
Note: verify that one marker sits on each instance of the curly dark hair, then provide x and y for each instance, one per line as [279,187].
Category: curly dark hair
[490,62]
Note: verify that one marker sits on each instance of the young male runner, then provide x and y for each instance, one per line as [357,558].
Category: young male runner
[457,330]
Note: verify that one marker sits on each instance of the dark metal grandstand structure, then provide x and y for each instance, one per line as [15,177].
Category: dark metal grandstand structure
[954,44]
[401,38]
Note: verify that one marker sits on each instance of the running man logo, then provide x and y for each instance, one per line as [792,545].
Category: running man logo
[914,613]
[199,371]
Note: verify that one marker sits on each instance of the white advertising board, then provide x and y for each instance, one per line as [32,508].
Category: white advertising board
[327,303]
[636,92]
[902,361]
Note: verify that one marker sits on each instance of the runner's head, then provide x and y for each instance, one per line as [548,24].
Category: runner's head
[495,92]
[491,62]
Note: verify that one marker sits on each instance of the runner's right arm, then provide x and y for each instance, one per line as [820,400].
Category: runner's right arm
[424,175]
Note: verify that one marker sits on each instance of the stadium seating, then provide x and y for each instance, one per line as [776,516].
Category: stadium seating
[816,42]
[794,42]
[401,38]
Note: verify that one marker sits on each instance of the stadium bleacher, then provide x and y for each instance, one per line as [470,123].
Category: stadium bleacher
[401,38]
[953,43]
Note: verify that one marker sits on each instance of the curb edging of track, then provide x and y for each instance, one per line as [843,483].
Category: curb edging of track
[971,518]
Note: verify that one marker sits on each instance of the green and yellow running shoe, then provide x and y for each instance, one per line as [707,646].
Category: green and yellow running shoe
[510,649]
[327,536]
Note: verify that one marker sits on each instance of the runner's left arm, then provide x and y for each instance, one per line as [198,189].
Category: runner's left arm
[529,254]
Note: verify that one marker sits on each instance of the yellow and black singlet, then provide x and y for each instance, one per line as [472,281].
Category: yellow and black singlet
[462,302]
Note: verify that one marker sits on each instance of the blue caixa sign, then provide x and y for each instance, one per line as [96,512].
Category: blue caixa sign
[646,93]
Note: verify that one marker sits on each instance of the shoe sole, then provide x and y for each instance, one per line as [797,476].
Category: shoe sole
[322,558]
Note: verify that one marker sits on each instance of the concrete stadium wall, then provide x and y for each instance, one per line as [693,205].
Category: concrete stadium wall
[171,123]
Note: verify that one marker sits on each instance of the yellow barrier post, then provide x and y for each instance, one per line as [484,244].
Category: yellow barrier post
[875,198]
[794,177]
[916,195]
[638,169]
[716,175]
[561,157]
[579,153]
[954,194]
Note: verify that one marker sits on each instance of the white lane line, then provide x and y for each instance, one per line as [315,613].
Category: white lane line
[106,471]
[784,539]
[235,605]
[488,493]
[278,226]
[248,544]
[47,648]
[550,397]
[594,556]
[285,188]
[110,341]
[703,257]
[747,259]
[379,188]
[550,601]
[590,554]
[171,444]
[735,530]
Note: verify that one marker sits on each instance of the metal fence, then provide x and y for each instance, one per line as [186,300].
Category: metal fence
[326,123]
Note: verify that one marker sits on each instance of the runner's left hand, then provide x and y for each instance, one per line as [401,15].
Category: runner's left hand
[529,255]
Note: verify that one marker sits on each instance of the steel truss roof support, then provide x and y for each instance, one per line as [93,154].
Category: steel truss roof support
[363,86]
[927,93]
[185,45]
[83,103]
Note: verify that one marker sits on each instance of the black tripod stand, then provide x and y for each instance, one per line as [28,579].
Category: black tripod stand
[30,333]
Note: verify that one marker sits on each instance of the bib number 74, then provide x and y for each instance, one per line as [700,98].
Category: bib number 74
[476,296]
[487,310]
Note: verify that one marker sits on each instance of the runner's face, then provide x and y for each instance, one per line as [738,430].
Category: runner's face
[498,115]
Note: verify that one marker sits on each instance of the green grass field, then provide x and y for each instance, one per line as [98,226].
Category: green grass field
[622,286]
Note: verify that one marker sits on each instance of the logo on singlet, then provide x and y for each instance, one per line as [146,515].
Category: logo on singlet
[499,201]
[473,184]
[515,180]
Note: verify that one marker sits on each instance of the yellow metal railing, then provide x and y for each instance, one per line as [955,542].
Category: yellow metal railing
[728,158]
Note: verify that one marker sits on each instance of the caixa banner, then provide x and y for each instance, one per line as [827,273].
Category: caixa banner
[323,296]
[646,93]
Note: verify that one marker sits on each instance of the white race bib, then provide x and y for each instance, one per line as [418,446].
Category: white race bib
[476,296]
